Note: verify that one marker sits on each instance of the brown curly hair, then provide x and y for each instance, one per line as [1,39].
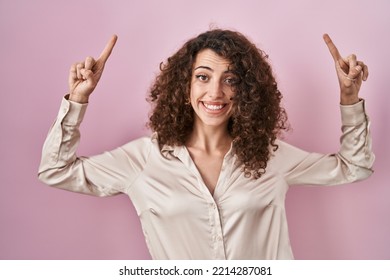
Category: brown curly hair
[258,117]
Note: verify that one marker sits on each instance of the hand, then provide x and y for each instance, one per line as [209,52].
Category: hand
[84,76]
[350,73]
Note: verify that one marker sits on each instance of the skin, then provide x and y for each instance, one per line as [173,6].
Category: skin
[211,92]
[350,73]
[84,76]
[211,87]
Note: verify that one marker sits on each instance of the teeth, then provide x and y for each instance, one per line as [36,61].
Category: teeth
[213,107]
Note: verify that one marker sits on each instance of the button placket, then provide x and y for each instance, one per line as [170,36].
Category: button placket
[216,231]
[214,216]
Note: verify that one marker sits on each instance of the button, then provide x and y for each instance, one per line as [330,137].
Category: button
[219,238]
[153,211]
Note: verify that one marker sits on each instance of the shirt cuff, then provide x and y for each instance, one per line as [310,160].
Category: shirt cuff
[71,113]
[354,114]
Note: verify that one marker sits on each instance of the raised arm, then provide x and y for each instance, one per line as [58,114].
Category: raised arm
[101,175]
[355,158]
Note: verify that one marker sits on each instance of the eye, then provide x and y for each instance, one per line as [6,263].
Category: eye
[202,77]
[231,81]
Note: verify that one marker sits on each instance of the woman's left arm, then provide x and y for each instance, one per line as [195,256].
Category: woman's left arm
[355,158]
[353,162]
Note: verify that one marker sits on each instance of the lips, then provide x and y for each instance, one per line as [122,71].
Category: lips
[214,106]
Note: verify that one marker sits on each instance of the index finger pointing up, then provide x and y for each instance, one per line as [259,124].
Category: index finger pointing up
[332,48]
[108,49]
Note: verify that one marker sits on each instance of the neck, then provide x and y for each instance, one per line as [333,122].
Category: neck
[209,138]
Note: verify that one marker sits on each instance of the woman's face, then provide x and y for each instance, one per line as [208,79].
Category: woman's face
[212,88]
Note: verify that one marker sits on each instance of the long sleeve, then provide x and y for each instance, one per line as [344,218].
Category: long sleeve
[102,175]
[352,163]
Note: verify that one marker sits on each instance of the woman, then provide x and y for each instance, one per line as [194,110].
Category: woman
[211,181]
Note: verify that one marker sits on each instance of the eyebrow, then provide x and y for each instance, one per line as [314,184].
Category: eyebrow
[209,68]
[204,67]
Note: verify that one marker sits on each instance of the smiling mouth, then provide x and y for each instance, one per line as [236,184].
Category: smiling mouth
[213,107]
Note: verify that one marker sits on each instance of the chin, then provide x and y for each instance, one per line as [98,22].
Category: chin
[214,122]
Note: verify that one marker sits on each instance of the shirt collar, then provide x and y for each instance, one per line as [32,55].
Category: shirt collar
[175,151]
[166,149]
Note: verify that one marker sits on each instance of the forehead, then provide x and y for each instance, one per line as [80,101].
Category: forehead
[210,58]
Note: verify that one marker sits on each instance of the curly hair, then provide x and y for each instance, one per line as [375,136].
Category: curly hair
[258,117]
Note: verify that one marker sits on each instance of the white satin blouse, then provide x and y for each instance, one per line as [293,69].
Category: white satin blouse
[244,219]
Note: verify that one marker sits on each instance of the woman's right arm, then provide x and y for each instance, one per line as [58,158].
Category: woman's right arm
[105,174]
[60,167]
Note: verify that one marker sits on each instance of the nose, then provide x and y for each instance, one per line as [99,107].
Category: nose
[215,90]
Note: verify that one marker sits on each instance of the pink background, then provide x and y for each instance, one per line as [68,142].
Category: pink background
[41,39]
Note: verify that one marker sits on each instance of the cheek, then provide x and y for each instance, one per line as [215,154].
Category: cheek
[193,97]
[196,91]
[229,91]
